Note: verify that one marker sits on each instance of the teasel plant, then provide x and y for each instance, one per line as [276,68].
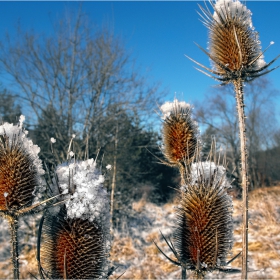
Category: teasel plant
[202,237]
[74,237]
[180,135]
[21,183]
[236,55]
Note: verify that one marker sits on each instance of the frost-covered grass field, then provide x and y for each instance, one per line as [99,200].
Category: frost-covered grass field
[136,255]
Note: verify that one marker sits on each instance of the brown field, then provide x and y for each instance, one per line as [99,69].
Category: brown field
[138,257]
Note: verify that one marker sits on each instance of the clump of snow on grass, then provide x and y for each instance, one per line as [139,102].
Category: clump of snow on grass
[172,107]
[87,198]
[109,167]
[16,132]
[21,120]
[71,154]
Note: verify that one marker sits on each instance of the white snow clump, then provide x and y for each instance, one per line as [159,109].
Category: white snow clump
[109,167]
[204,170]
[234,8]
[170,107]
[18,133]
[88,198]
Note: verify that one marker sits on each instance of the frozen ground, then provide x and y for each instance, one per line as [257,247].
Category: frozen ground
[136,255]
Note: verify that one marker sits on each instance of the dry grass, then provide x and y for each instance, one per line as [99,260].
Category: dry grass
[264,241]
[140,259]
[27,263]
[264,233]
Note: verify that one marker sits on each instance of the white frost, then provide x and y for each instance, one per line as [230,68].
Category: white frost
[234,9]
[109,167]
[168,107]
[89,199]
[228,9]
[207,169]
[15,132]
[21,120]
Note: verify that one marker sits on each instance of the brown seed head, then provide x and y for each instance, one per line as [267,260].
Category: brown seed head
[18,175]
[234,46]
[77,241]
[180,136]
[204,234]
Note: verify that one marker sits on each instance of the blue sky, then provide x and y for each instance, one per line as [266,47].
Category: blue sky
[158,35]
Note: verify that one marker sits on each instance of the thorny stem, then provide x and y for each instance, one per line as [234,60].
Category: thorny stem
[13,220]
[184,274]
[114,178]
[238,87]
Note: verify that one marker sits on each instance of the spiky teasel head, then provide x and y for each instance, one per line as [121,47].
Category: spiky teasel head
[20,167]
[180,134]
[234,46]
[203,236]
[72,247]
[76,237]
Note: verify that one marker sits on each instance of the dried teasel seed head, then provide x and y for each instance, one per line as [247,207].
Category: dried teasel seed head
[76,238]
[234,45]
[72,247]
[180,133]
[20,168]
[203,236]
[233,41]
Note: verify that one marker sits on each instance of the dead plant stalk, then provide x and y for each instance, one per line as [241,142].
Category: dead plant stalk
[238,87]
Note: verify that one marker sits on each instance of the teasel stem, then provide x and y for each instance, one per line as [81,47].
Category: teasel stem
[238,87]
[184,273]
[114,179]
[13,221]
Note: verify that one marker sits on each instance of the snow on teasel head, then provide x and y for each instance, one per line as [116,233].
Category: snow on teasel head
[79,234]
[204,227]
[208,171]
[234,45]
[88,197]
[180,134]
[20,167]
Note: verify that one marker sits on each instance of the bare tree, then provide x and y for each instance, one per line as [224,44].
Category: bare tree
[218,112]
[78,71]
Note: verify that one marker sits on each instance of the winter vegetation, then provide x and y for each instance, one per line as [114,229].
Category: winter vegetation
[89,190]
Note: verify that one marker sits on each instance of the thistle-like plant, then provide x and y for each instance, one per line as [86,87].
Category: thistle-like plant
[76,236]
[236,55]
[234,45]
[203,230]
[180,136]
[20,170]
